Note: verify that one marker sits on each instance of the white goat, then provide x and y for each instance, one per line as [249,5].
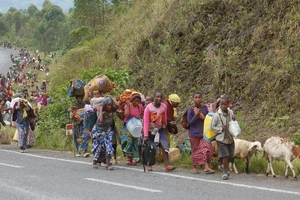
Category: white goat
[243,149]
[276,148]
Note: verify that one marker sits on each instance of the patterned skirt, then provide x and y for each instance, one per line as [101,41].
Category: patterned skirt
[101,139]
[201,151]
[129,144]
[22,134]
[31,138]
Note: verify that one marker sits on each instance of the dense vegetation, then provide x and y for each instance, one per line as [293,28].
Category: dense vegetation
[247,49]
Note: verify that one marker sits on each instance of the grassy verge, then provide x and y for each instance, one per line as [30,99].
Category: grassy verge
[257,165]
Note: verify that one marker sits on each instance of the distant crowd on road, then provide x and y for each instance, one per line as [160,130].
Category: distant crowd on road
[21,96]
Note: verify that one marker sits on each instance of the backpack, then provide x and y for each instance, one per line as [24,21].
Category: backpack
[184,121]
[148,154]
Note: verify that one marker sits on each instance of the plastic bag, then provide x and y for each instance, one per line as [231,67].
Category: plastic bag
[234,128]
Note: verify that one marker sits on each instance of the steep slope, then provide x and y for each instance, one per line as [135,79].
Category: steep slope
[247,49]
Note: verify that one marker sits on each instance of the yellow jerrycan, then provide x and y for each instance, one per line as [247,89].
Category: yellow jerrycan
[208,134]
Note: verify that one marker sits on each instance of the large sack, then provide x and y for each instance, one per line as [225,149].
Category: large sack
[125,96]
[4,137]
[76,88]
[100,83]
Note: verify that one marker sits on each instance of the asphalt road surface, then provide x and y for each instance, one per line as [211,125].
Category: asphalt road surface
[5,61]
[41,174]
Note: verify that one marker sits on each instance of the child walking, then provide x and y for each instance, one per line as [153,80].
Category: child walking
[225,141]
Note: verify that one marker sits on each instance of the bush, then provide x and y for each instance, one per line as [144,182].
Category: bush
[296,138]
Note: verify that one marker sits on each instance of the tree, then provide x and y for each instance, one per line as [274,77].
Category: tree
[54,15]
[116,2]
[23,11]
[31,10]
[46,2]
[89,12]
[12,9]
[8,18]
[16,18]
[3,28]
[70,10]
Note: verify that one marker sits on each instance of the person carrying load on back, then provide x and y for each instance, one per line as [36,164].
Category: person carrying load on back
[202,153]
[102,132]
[77,116]
[21,113]
[130,146]
[154,124]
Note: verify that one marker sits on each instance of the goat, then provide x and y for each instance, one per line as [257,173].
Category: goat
[276,148]
[243,149]
[296,151]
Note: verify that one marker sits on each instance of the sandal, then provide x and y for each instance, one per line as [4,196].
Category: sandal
[210,171]
[195,171]
[169,168]
[130,162]
[225,177]
[109,167]
[133,163]
[149,168]
[95,164]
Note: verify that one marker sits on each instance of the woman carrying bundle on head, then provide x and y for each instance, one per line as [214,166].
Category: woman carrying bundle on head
[102,132]
[130,146]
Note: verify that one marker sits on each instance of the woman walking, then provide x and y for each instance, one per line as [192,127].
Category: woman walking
[102,131]
[80,141]
[130,145]
[202,153]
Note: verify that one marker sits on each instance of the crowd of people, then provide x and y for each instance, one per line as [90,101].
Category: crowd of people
[158,121]
[94,118]
[21,96]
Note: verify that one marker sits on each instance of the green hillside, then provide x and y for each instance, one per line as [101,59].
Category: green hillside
[247,49]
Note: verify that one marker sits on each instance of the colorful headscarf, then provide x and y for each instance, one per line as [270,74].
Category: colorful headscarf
[106,101]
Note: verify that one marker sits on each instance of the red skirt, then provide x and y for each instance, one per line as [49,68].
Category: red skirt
[201,151]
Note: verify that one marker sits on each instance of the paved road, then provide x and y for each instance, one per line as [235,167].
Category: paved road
[41,174]
[5,61]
